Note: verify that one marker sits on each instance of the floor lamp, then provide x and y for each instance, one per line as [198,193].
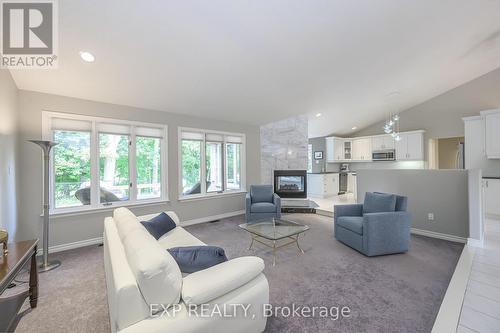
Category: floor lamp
[46,266]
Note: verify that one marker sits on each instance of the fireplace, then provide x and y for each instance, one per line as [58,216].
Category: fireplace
[290,183]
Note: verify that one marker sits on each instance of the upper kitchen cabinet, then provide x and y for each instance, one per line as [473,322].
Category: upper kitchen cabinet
[410,147]
[337,149]
[491,120]
[362,149]
[382,142]
[474,142]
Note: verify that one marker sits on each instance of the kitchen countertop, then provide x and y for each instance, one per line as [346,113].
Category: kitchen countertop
[328,172]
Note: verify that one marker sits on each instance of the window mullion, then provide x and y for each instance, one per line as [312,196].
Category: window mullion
[203,165]
[94,167]
[132,165]
[164,165]
[52,177]
[224,170]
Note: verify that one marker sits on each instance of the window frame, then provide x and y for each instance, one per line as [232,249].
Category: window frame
[204,193]
[48,134]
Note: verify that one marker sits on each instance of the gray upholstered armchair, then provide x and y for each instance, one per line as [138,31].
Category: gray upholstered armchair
[379,226]
[261,202]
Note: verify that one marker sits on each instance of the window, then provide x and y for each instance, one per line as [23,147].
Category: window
[102,162]
[148,157]
[215,157]
[214,173]
[71,168]
[114,167]
[233,166]
[191,166]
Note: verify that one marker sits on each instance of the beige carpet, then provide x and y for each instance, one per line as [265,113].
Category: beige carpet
[397,293]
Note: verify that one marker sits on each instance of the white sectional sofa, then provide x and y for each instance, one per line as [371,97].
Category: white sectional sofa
[143,280]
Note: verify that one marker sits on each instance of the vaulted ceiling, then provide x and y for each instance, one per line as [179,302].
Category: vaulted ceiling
[256,61]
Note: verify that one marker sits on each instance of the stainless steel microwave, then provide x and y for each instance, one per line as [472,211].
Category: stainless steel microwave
[384,155]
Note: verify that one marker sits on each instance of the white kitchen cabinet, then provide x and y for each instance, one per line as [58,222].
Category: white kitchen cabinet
[351,182]
[322,185]
[492,197]
[330,150]
[339,149]
[410,147]
[362,149]
[382,142]
[475,154]
[335,151]
[492,133]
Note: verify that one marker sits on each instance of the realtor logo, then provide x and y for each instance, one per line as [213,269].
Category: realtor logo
[29,34]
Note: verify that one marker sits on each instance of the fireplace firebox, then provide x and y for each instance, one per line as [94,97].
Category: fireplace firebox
[290,183]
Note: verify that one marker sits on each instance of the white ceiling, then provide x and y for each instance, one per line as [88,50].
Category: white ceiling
[256,61]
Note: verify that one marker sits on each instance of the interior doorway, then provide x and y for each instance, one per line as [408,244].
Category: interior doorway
[447,153]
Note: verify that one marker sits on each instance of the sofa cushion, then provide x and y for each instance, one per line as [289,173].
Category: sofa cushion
[156,272]
[159,225]
[379,203]
[261,193]
[263,207]
[170,213]
[211,283]
[196,258]
[178,237]
[352,223]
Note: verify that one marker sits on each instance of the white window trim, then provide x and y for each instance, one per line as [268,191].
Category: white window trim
[205,195]
[47,117]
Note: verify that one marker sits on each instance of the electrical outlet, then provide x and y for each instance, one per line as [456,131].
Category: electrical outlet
[430,216]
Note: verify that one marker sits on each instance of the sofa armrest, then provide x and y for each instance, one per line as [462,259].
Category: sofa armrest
[386,231]
[211,283]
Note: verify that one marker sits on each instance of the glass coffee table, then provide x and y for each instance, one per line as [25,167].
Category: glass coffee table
[270,231]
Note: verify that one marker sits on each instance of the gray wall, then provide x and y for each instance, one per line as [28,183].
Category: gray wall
[283,146]
[87,226]
[8,152]
[442,192]
[441,116]
[319,144]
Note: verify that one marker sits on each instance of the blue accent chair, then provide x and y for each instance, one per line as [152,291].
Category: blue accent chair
[261,203]
[379,226]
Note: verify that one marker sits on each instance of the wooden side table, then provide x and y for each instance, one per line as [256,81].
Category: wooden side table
[10,265]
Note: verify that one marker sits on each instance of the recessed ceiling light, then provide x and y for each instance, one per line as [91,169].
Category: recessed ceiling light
[318,115]
[393,94]
[87,56]
[354,127]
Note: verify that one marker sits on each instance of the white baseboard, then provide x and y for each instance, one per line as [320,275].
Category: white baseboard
[475,242]
[70,246]
[212,218]
[99,240]
[438,235]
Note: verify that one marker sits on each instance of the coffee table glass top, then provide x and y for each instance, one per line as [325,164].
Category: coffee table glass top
[274,229]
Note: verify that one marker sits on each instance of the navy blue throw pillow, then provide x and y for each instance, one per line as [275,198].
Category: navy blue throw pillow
[159,225]
[195,258]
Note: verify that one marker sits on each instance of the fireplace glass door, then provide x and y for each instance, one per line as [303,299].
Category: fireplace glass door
[290,184]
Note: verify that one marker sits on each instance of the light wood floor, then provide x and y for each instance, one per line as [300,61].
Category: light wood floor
[481,306]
